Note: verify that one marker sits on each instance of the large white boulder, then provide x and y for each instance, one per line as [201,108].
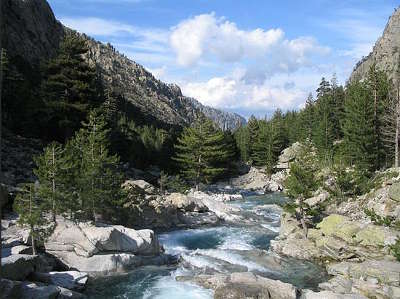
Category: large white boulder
[186,203]
[86,239]
[112,262]
[89,248]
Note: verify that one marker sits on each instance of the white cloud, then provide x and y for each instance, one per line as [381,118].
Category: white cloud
[233,93]
[260,69]
[206,37]
[98,27]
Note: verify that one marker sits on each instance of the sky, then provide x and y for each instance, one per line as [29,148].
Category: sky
[243,56]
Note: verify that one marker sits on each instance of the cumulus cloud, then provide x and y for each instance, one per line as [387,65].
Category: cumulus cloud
[209,37]
[255,67]
[233,93]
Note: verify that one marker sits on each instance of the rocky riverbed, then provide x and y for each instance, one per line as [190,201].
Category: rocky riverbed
[212,259]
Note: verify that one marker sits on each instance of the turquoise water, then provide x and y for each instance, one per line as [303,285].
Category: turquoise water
[223,249]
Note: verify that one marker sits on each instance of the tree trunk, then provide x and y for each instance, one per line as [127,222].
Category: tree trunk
[303,219]
[54,187]
[198,174]
[33,241]
[396,141]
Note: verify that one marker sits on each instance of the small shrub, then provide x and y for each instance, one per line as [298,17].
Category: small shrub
[176,184]
[395,249]
[379,220]
[290,207]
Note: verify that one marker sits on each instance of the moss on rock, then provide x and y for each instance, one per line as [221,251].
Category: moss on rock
[372,235]
[329,225]
[394,191]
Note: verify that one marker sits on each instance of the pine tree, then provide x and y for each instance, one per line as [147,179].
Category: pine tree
[50,168]
[264,152]
[252,127]
[391,121]
[99,181]
[324,129]
[242,139]
[324,88]
[337,94]
[358,127]
[379,88]
[280,139]
[308,118]
[68,86]
[163,181]
[302,180]
[31,212]
[201,152]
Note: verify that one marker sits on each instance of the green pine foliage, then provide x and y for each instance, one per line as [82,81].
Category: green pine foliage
[201,152]
[279,133]
[51,167]
[302,182]
[264,153]
[98,183]
[242,139]
[31,209]
[358,127]
[68,87]
[252,127]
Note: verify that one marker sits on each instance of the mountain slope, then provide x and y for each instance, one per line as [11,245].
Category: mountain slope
[386,52]
[31,33]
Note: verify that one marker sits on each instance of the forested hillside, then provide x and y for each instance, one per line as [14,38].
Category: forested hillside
[355,125]
[53,77]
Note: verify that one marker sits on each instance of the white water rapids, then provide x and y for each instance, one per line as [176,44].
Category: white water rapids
[224,249]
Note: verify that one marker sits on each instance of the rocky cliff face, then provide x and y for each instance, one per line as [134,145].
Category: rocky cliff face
[224,120]
[386,52]
[29,30]
[31,33]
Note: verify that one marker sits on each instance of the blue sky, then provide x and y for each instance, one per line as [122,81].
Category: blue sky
[249,57]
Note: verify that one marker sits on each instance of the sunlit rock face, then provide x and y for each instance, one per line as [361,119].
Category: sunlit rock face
[385,54]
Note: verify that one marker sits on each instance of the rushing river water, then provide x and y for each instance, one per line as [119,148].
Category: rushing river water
[223,249]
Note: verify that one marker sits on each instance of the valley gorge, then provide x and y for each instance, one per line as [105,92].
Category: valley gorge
[156,195]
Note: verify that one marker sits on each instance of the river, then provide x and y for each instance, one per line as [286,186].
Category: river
[238,247]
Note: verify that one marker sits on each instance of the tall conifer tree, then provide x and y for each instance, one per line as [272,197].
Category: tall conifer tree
[201,152]
[69,86]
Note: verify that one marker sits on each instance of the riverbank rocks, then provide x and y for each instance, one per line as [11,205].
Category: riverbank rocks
[186,203]
[18,266]
[372,278]
[356,253]
[245,285]
[145,208]
[221,196]
[308,294]
[336,238]
[106,248]
[386,272]
[394,192]
[32,290]
[288,155]
[72,280]
[139,185]
[257,180]
[358,233]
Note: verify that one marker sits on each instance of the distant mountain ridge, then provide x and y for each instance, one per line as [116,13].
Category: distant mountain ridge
[385,53]
[32,33]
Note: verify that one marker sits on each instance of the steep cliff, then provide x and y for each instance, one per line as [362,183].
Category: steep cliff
[32,34]
[386,52]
